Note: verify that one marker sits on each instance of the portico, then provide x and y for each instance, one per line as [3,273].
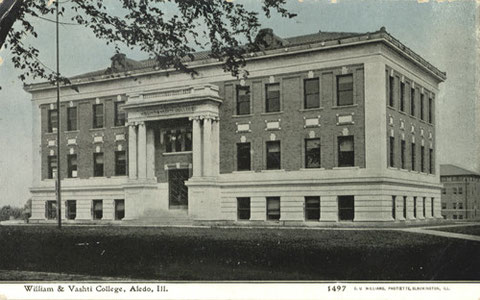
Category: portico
[149,114]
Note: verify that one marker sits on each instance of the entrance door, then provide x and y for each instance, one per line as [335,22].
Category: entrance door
[178,191]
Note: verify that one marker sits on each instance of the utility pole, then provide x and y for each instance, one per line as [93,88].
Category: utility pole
[58,187]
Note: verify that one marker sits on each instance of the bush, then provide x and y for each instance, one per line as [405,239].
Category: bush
[8,211]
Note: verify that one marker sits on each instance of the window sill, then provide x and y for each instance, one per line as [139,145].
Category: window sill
[312,169]
[271,113]
[346,168]
[176,153]
[242,116]
[273,171]
[72,131]
[118,126]
[51,133]
[391,107]
[403,112]
[311,109]
[344,106]
[97,129]
[243,172]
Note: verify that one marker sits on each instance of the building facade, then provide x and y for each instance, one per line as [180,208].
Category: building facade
[460,193]
[328,127]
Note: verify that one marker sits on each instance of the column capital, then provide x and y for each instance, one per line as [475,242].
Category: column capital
[141,123]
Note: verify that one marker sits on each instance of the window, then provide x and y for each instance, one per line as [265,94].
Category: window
[391,89]
[119,209]
[422,158]
[243,100]
[52,120]
[415,207]
[460,190]
[414,157]
[273,155]
[120,163]
[98,116]
[422,104]
[346,155]
[454,205]
[119,114]
[412,102]
[460,205]
[72,166]
[52,167]
[430,110]
[402,154]
[431,206]
[430,161]
[311,93]
[71,118]
[272,97]
[178,140]
[243,157]
[460,217]
[71,209]
[98,164]
[402,96]
[444,205]
[97,209]
[243,208]
[273,208]
[424,200]
[444,191]
[51,209]
[346,208]
[394,206]
[404,207]
[454,217]
[312,208]
[312,153]
[345,90]
[391,161]
[454,190]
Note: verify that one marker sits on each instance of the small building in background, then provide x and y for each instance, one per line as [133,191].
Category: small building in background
[460,193]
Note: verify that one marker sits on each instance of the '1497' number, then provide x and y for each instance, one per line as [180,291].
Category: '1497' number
[337,288]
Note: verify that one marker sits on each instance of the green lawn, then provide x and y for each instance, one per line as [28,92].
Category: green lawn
[238,254]
[473,230]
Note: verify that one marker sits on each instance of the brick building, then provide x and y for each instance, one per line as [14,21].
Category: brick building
[460,193]
[327,127]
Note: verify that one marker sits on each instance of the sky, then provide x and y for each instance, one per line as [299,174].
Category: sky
[443,32]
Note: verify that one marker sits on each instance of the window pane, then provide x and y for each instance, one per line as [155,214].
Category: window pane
[346,153]
[52,120]
[312,97]
[273,155]
[272,97]
[243,157]
[346,208]
[273,208]
[312,153]
[243,100]
[312,208]
[243,208]
[119,114]
[98,115]
[72,118]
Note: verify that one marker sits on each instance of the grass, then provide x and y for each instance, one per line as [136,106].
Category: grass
[238,254]
[472,230]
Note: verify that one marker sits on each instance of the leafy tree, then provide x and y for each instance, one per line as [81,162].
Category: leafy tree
[169,31]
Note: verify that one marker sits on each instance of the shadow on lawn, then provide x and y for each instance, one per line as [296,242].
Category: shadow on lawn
[238,254]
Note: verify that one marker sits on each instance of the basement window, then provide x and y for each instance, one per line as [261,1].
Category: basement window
[119,209]
[243,208]
[312,208]
[346,208]
[273,208]
[97,209]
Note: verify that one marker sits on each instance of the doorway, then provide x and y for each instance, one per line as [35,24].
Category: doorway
[177,190]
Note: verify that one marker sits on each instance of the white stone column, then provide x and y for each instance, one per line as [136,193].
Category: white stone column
[215,147]
[207,147]
[132,151]
[196,147]
[142,151]
[150,153]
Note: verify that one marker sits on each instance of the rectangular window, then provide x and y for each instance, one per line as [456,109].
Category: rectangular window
[391,161]
[52,167]
[394,206]
[412,102]
[404,207]
[273,155]
[243,100]
[272,97]
[430,161]
[402,96]
[72,166]
[454,217]
[454,205]
[422,158]
[460,205]
[71,212]
[312,208]
[391,86]
[415,207]
[444,205]
[346,154]
[454,190]
[460,190]
[273,208]
[243,208]
[311,93]
[444,191]
[422,105]
[432,207]
[51,209]
[413,156]
[98,116]
[243,157]
[345,90]
[430,110]
[52,120]
[98,164]
[97,209]
[178,140]
[346,208]
[424,206]
[71,118]
[120,163]
[119,209]
[402,154]
[119,114]
[460,217]
[312,153]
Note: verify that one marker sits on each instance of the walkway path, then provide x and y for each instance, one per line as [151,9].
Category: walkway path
[431,230]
